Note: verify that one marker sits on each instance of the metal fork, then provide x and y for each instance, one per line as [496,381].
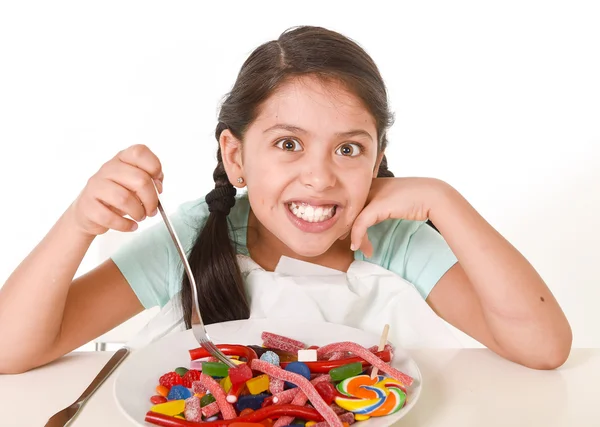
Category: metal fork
[199,331]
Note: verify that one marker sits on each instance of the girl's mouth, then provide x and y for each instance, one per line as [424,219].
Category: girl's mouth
[310,213]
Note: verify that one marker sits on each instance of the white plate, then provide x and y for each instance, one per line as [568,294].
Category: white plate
[138,376]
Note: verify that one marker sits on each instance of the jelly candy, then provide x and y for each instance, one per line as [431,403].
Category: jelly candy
[190,376]
[171,408]
[179,392]
[181,371]
[270,357]
[326,390]
[346,371]
[299,368]
[258,384]
[225,384]
[170,379]
[215,369]
[240,374]
[162,390]
[156,399]
[253,402]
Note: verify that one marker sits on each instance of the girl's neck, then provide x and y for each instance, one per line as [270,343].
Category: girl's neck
[266,249]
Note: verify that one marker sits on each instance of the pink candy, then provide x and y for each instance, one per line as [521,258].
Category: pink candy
[282,343]
[299,399]
[365,354]
[276,385]
[215,389]
[198,388]
[304,385]
[211,409]
[193,410]
[346,417]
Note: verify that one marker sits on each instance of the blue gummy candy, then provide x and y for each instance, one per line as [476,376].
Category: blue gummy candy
[270,357]
[299,368]
[253,402]
[179,392]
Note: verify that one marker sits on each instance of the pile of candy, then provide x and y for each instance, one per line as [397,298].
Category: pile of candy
[282,383]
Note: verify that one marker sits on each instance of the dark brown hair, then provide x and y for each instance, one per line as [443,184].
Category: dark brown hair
[298,52]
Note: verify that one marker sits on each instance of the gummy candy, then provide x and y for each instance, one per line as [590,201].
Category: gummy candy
[179,392]
[181,371]
[190,376]
[299,368]
[270,357]
[170,379]
[258,384]
[346,371]
[215,369]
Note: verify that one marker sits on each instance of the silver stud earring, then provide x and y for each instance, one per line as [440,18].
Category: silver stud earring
[240,180]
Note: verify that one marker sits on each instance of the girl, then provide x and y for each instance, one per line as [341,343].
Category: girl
[304,131]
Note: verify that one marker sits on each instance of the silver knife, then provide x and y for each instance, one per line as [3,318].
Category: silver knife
[61,418]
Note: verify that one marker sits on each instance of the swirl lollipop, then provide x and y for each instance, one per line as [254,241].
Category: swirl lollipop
[373,397]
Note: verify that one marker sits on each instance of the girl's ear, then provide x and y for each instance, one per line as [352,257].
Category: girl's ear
[231,154]
[378,163]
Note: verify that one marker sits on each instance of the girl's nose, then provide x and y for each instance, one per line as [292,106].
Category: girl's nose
[318,173]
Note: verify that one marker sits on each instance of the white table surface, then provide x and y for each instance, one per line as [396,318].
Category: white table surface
[465,387]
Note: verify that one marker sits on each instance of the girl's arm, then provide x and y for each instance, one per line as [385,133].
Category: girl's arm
[43,312]
[494,294]
[43,315]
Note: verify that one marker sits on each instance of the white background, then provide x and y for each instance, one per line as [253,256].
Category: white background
[501,100]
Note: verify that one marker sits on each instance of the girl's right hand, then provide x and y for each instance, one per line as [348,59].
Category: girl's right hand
[123,186]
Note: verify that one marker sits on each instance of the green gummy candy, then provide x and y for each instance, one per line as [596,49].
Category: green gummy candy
[346,371]
[207,399]
[181,371]
[215,369]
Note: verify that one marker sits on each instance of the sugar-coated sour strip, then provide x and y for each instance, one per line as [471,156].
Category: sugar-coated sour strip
[369,357]
[282,343]
[304,385]
[299,399]
[215,389]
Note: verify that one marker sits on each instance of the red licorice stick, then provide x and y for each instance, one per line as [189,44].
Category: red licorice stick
[323,367]
[228,349]
[273,411]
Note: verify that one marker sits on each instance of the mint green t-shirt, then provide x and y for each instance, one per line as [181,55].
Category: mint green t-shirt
[151,265]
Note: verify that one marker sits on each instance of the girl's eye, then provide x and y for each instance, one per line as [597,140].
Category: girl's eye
[289,145]
[349,150]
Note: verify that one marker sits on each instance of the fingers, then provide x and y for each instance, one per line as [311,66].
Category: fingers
[142,158]
[105,217]
[359,236]
[139,184]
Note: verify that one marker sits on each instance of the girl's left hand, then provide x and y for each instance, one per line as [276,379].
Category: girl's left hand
[398,198]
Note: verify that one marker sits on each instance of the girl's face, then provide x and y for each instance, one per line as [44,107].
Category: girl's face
[308,161]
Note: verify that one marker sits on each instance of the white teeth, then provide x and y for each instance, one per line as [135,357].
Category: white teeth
[311,213]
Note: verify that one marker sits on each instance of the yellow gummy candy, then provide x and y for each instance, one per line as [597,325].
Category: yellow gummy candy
[310,423]
[226,384]
[360,417]
[172,407]
[258,384]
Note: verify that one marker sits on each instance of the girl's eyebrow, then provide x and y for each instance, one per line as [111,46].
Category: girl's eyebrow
[296,129]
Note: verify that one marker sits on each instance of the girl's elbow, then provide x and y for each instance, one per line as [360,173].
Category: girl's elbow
[556,352]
